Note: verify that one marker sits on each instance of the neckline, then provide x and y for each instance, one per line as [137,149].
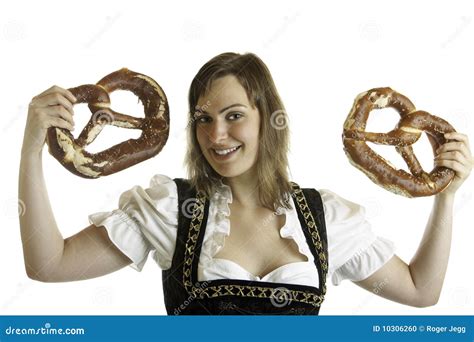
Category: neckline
[224,192]
[266,276]
[244,288]
[221,201]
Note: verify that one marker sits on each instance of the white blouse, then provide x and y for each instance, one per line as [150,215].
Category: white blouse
[147,220]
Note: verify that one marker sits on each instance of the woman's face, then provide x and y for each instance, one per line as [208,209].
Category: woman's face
[227,127]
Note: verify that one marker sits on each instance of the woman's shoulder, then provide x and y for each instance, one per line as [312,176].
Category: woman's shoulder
[161,187]
[337,207]
[160,179]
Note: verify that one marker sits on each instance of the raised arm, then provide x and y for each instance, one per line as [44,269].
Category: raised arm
[48,257]
[420,283]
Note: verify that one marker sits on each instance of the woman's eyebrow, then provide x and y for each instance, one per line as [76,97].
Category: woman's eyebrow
[223,109]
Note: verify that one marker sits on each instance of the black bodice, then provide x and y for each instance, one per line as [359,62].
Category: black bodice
[184,294]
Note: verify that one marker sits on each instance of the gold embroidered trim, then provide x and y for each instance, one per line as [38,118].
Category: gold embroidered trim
[313,230]
[245,290]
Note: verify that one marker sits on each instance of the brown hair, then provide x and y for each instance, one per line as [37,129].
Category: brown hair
[272,161]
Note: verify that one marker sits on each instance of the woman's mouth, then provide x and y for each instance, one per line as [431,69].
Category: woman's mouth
[223,154]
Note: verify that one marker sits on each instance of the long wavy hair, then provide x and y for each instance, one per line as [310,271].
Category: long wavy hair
[272,161]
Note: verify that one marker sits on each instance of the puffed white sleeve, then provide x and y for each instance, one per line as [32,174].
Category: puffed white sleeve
[146,221]
[354,251]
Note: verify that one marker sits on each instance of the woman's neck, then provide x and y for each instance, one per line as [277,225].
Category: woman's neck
[245,190]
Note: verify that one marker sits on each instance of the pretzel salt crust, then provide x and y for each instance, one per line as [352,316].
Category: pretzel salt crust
[408,130]
[71,152]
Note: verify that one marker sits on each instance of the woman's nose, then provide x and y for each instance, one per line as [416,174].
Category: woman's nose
[217,131]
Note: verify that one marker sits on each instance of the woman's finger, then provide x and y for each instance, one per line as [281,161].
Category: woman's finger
[452,155]
[58,112]
[55,99]
[462,171]
[455,146]
[61,123]
[56,89]
[459,137]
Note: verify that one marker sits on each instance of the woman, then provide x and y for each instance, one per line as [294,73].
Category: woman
[237,237]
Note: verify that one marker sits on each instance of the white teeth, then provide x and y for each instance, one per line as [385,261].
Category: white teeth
[223,152]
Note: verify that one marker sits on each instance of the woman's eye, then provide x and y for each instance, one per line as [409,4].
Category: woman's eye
[202,119]
[235,116]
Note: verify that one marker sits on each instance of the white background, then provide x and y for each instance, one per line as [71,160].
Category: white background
[321,56]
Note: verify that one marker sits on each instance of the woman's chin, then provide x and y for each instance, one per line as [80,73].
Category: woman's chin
[232,172]
[226,173]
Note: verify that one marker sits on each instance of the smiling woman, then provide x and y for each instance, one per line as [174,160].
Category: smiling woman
[237,236]
[229,139]
[241,90]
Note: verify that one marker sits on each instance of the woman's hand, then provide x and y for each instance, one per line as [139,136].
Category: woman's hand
[51,108]
[457,156]
[420,283]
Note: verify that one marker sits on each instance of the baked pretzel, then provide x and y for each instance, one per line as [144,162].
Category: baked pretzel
[71,152]
[408,130]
